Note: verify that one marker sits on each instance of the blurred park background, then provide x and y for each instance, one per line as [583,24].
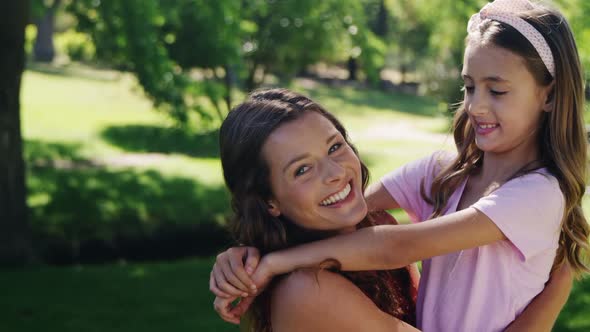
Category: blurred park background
[113,220]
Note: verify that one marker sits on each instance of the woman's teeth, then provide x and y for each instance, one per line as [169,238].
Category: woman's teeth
[337,197]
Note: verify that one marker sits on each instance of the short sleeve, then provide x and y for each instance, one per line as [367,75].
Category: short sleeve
[528,210]
[404,184]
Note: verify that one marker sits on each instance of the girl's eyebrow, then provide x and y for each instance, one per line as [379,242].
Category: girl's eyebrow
[496,79]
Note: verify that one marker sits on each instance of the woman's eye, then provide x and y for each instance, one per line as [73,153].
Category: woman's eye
[335,147]
[301,170]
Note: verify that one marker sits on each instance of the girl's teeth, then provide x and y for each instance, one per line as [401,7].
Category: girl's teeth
[486,126]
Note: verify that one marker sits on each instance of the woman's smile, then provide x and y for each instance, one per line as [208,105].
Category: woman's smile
[340,198]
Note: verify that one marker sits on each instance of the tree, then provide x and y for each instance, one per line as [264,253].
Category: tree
[43,13]
[283,37]
[160,41]
[15,244]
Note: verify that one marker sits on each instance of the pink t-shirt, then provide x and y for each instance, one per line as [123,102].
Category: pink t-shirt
[484,288]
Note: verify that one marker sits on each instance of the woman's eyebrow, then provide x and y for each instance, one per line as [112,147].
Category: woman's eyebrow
[332,137]
[294,160]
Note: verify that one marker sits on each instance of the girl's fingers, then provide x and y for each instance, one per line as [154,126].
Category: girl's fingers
[222,283]
[242,307]
[238,271]
[252,259]
[215,290]
[223,307]
[233,280]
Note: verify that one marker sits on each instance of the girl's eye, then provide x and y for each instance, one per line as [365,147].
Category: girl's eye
[498,93]
[301,170]
[334,148]
[468,89]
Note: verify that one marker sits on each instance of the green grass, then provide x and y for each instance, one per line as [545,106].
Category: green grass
[100,158]
[117,297]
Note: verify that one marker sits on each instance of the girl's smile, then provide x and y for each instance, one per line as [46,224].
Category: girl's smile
[504,102]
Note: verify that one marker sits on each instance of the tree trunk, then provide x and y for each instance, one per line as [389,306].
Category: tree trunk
[229,80]
[43,50]
[381,26]
[15,242]
[352,68]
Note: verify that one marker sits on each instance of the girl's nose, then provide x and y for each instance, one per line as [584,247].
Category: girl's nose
[476,104]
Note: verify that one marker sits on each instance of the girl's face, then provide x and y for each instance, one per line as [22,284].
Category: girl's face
[502,99]
[315,175]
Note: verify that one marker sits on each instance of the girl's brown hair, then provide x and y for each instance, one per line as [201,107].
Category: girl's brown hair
[562,136]
[246,174]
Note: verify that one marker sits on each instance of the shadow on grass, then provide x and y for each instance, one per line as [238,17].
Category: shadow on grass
[75,71]
[380,100]
[146,138]
[574,316]
[80,212]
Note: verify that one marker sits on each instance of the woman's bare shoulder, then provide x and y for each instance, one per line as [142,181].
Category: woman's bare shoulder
[324,300]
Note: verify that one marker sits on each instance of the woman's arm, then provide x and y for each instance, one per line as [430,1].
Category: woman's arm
[389,246]
[542,312]
[326,301]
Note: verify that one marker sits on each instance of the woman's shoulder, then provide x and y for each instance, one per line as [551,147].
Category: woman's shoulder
[304,285]
[323,300]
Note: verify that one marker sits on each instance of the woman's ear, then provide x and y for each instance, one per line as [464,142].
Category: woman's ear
[273,208]
[549,97]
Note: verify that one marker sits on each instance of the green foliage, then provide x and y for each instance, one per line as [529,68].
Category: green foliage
[576,11]
[77,45]
[128,34]
[201,33]
[283,37]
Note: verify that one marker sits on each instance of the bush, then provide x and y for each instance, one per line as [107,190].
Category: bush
[77,46]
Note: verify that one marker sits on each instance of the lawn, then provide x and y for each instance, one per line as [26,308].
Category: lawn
[101,158]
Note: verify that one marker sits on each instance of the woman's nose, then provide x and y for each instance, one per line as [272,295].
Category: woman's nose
[333,171]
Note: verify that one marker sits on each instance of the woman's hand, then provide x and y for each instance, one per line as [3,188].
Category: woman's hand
[230,276]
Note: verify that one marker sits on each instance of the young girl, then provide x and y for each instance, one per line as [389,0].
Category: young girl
[504,209]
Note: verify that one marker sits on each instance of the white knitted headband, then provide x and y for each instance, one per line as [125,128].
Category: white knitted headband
[505,11]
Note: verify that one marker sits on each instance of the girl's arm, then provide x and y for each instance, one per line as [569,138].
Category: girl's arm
[379,199]
[390,246]
[326,301]
[542,312]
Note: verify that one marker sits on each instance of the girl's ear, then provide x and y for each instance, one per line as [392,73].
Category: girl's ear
[549,95]
[273,208]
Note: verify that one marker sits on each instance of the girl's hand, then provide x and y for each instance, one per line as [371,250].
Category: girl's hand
[264,272]
[230,277]
[224,304]
[230,313]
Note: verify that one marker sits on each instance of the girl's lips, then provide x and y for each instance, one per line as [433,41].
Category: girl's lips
[485,129]
[346,200]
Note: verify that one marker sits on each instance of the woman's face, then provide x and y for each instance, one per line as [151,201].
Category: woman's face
[315,176]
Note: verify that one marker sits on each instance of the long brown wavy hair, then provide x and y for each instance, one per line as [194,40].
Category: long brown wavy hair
[246,174]
[562,136]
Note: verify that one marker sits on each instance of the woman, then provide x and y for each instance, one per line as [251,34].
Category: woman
[295,178]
